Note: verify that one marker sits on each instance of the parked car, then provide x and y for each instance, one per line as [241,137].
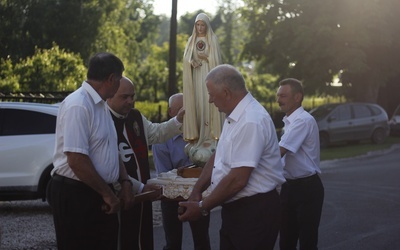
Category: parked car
[27,137]
[394,122]
[351,122]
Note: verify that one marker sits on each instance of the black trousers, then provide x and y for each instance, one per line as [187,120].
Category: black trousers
[250,223]
[301,203]
[173,228]
[78,219]
[137,227]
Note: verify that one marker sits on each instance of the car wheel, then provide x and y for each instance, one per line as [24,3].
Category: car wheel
[44,182]
[324,140]
[378,136]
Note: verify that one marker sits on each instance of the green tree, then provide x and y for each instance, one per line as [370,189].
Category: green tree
[72,24]
[8,78]
[126,28]
[50,70]
[152,81]
[231,31]
[81,26]
[317,40]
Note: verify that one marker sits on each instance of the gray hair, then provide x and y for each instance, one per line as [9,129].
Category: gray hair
[172,97]
[227,75]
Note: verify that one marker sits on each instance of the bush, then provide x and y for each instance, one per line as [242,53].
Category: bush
[155,112]
[52,69]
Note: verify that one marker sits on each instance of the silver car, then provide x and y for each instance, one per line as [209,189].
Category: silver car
[351,122]
[395,122]
[27,137]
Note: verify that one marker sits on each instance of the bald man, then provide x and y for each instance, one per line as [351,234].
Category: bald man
[135,134]
[169,156]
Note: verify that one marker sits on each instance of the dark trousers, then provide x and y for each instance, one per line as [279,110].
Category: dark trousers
[301,202]
[78,219]
[137,227]
[173,228]
[250,223]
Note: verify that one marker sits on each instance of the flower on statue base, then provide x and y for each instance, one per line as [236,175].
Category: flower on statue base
[200,154]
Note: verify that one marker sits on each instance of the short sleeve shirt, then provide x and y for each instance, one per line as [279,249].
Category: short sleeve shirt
[84,125]
[249,139]
[301,139]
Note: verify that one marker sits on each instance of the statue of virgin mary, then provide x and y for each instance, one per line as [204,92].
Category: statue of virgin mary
[202,123]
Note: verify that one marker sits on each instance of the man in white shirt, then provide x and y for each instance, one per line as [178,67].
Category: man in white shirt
[302,195]
[87,163]
[245,169]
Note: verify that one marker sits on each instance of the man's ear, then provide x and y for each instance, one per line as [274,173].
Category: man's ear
[298,97]
[111,77]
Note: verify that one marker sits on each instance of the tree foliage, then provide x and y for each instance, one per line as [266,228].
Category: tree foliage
[72,24]
[9,80]
[49,70]
[126,28]
[312,40]
[317,40]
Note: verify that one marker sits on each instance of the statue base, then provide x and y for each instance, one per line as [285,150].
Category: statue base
[199,154]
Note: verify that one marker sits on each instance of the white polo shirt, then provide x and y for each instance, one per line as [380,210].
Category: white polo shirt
[249,139]
[301,139]
[84,125]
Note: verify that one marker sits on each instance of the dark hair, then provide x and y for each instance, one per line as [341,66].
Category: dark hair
[102,65]
[294,84]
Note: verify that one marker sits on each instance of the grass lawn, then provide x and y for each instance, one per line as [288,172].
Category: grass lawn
[340,151]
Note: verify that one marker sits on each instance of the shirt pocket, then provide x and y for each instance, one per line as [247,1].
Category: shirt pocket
[224,151]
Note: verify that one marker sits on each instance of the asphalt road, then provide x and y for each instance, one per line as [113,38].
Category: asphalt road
[361,210]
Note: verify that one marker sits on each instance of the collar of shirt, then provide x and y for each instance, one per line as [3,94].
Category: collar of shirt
[93,93]
[239,109]
[289,119]
[119,116]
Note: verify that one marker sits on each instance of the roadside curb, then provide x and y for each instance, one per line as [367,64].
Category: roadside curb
[332,163]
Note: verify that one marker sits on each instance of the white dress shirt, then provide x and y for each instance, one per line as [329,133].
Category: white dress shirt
[84,125]
[301,139]
[249,139]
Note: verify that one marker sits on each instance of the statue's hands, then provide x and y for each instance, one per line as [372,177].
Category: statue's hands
[202,56]
[195,64]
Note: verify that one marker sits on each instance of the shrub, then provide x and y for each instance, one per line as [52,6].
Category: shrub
[155,112]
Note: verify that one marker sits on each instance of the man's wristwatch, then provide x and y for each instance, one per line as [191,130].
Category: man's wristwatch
[203,211]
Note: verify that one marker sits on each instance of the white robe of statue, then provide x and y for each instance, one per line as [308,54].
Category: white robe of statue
[202,122]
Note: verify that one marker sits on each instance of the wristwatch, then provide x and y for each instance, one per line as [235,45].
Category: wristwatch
[203,211]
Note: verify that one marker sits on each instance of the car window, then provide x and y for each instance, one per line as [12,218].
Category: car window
[361,111]
[343,113]
[23,122]
[322,111]
[375,110]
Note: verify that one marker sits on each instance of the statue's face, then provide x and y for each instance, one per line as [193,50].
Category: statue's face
[201,28]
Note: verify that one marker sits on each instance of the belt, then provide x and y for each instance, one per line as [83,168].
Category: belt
[68,181]
[248,199]
[73,182]
[302,180]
